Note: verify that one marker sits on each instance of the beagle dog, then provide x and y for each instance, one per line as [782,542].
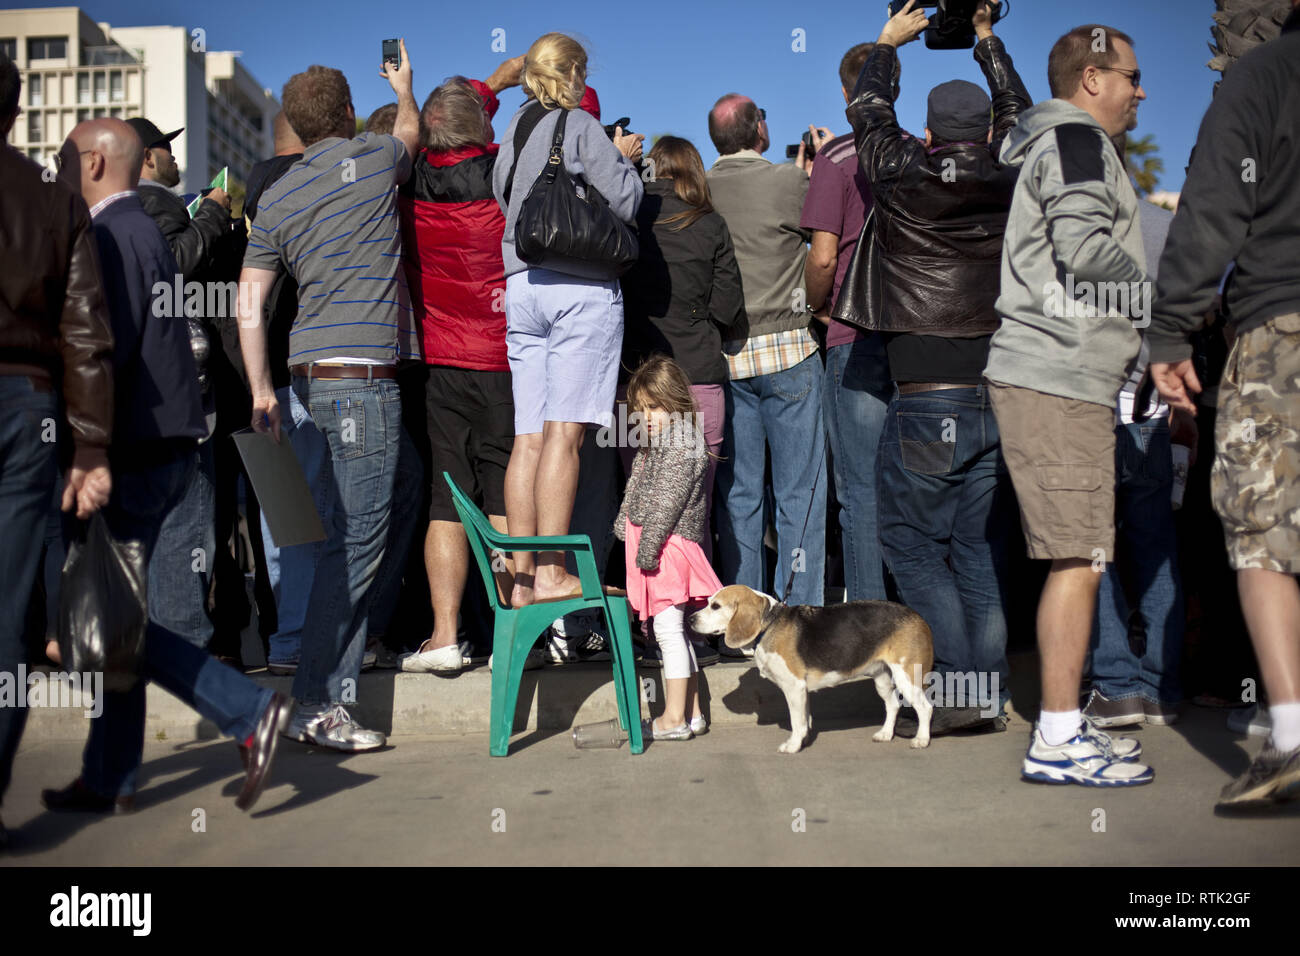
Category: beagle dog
[807,648]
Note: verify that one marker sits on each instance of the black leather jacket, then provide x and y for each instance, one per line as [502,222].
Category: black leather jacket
[930,255]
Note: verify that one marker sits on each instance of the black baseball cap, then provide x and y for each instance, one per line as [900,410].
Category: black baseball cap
[151,135]
[959,112]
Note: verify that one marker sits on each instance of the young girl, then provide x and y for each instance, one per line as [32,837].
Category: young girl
[662,521]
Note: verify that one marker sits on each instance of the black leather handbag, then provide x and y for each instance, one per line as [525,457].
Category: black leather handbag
[565,221]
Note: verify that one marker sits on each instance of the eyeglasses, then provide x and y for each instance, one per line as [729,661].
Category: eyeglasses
[1135,76]
[58,157]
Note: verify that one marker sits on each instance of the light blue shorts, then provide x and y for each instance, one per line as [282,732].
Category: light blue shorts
[564,341]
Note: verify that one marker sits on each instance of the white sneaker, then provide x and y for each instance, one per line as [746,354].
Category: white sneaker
[560,650]
[1088,758]
[440,660]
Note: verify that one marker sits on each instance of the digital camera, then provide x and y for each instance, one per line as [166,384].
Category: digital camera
[950,25]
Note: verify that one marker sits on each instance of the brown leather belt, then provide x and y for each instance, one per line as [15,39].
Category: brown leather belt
[907,388]
[367,372]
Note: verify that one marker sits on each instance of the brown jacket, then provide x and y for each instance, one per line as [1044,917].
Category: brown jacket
[53,317]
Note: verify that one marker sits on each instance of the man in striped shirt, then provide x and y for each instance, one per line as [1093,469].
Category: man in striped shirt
[331,221]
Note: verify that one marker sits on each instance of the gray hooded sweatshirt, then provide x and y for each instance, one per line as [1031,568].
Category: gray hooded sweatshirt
[1074,285]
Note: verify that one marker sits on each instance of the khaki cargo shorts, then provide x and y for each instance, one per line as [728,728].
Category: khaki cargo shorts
[1255,482]
[1061,456]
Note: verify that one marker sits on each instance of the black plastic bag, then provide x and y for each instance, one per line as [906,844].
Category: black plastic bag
[104,606]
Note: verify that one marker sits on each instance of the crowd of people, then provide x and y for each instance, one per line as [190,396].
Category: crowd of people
[882,363]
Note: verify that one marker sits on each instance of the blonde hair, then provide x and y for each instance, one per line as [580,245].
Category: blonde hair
[555,71]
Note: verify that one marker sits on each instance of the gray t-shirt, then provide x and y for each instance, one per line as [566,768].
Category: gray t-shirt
[331,220]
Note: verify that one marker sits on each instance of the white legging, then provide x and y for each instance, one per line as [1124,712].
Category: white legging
[674,649]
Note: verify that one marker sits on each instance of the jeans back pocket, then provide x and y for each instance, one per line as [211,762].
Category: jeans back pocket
[928,441]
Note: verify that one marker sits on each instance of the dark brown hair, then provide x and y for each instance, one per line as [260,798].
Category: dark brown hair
[677,159]
[382,119]
[737,129]
[1073,53]
[316,103]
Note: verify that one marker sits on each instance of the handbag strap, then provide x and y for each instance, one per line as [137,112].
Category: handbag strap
[527,123]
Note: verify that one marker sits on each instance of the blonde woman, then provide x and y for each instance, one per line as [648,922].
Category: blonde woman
[564,330]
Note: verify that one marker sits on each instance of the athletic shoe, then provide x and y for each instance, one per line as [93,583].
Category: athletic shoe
[283,668]
[1125,748]
[591,648]
[368,659]
[1105,711]
[945,720]
[1253,720]
[332,727]
[699,726]
[704,654]
[1273,776]
[559,650]
[440,660]
[1085,759]
[534,661]
[1159,713]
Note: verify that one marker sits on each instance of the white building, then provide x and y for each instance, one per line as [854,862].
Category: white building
[74,69]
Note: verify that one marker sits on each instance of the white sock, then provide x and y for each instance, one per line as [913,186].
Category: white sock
[1286,725]
[1059,726]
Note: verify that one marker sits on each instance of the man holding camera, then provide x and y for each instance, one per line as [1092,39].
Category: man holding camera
[332,221]
[941,210]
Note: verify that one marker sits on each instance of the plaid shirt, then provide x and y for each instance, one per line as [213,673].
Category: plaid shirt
[766,354]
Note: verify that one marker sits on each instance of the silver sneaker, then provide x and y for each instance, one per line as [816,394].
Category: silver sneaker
[332,727]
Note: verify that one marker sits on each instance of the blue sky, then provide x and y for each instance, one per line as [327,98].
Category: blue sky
[664,64]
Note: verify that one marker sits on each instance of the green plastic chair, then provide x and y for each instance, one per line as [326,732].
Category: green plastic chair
[516,630]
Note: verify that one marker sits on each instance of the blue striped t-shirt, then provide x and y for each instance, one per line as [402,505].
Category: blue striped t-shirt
[331,221]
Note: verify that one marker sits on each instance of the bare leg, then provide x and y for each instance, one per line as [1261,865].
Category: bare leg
[446,561]
[1270,602]
[521,510]
[1065,613]
[675,691]
[555,486]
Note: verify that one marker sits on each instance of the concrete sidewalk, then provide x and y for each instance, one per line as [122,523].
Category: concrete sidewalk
[727,797]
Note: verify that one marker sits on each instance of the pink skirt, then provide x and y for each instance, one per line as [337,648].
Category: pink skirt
[684,573]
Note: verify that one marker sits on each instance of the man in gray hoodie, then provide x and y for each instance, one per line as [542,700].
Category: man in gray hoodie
[1074,286]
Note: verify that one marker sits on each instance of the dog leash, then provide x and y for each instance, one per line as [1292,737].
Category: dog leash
[785,595]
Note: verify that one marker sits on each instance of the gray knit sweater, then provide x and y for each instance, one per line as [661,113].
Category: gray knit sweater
[665,493]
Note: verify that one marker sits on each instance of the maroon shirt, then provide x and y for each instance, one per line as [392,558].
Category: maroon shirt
[837,202]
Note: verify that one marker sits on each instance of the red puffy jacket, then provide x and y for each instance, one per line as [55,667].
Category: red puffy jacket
[451,248]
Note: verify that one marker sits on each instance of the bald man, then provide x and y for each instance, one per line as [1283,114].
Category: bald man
[156,425]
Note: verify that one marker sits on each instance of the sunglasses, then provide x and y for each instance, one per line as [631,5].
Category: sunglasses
[58,157]
[1135,76]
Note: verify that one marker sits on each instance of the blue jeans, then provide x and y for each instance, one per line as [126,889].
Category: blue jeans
[291,570]
[408,495]
[29,468]
[361,422]
[856,392]
[946,509]
[140,502]
[1144,579]
[180,572]
[782,410]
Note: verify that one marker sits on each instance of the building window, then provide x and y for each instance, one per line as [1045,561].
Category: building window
[83,88]
[83,115]
[115,112]
[101,88]
[34,128]
[115,91]
[34,90]
[100,113]
[47,48]
[9,47]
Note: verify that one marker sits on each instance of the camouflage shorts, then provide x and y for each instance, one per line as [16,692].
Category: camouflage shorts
[1256,478]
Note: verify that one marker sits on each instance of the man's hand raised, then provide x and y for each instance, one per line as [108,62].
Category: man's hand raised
[983,18]
[905,26]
